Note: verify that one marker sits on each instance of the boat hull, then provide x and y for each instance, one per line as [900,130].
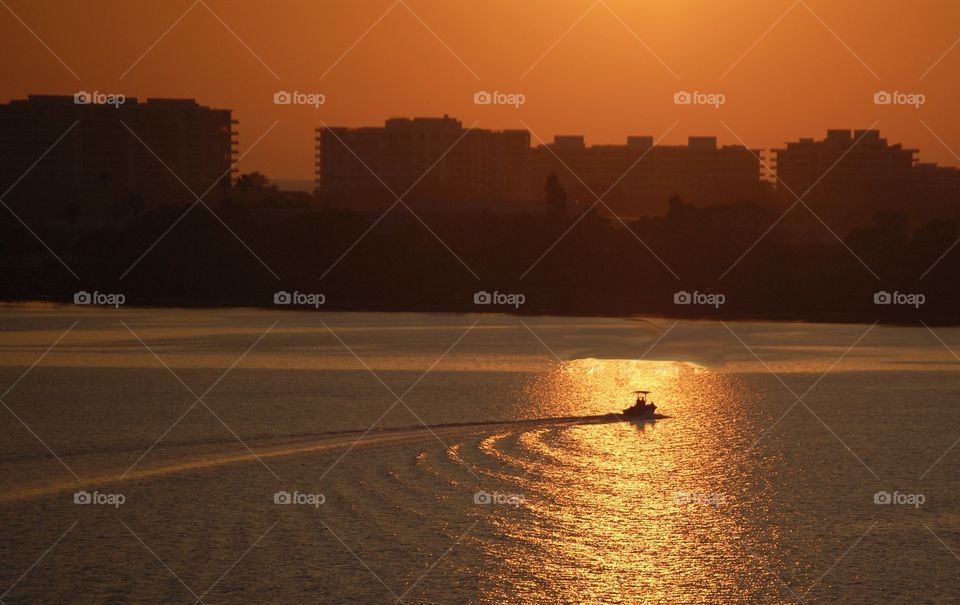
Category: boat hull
[644,417]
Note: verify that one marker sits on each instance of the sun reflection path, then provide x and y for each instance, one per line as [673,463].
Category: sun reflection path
[639,513]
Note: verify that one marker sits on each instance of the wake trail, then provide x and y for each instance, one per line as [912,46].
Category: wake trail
[318,442]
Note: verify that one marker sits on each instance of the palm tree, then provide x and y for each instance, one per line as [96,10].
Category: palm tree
[555,196]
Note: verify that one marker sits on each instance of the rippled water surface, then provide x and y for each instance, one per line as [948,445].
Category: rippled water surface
[472,459]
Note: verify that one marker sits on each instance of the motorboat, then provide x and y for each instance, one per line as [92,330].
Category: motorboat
[642,409]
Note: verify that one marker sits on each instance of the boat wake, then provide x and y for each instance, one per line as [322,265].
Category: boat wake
[297,444]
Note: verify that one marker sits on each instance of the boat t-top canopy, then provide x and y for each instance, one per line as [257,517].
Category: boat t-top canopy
[643,392]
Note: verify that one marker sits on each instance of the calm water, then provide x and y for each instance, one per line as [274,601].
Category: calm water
[742,495]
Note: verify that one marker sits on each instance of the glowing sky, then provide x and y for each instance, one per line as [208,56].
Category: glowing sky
[604,69]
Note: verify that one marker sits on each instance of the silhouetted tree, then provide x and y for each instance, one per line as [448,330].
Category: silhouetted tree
[933,239]
[884,242]
[783,276]
[254,181]
[677,210]
[555,196]
[894,225]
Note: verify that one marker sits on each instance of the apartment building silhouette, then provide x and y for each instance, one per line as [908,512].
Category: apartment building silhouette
[849,175]
[639,178]
[99,162]
[433,160]
[355,166]
[100,157]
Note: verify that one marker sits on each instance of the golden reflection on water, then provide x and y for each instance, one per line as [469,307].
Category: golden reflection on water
[646,512]
[593,386]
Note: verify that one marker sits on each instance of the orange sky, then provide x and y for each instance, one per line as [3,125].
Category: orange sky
[817,68]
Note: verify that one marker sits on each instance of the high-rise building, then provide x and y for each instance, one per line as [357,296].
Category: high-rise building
[848,176]
[845,177]
[843,163]
[354,164]
[432,160]
[99,163]
[639,178]
[938,182]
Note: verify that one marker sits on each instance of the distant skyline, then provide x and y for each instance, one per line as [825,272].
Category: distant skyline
[601,69]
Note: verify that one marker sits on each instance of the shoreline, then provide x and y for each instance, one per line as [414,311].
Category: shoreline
[826,319]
